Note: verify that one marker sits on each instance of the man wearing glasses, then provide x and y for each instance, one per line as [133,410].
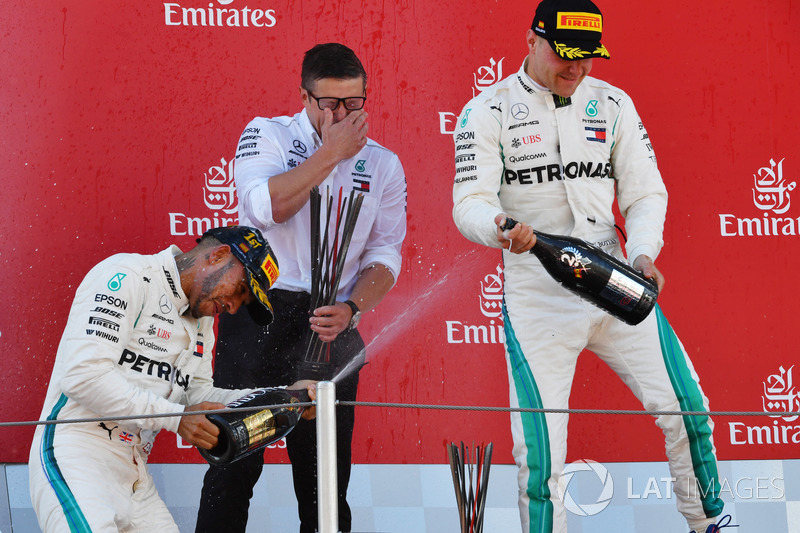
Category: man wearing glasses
[278,161]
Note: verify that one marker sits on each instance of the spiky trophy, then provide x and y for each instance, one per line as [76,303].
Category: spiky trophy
[470,490]
[328,252]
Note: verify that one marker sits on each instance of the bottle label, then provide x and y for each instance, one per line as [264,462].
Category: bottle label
[575,260]
[622,290]
[260,427]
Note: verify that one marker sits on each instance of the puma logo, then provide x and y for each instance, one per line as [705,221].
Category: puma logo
[103,425]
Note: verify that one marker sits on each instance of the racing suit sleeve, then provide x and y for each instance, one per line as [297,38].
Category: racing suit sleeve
[478,173]
[641,194]
[389,227]
[92,374]
[257,159]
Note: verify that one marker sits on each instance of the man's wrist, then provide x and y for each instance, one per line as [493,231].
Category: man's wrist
[356,314]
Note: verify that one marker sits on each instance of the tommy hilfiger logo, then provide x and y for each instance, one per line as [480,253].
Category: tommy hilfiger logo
[595,134]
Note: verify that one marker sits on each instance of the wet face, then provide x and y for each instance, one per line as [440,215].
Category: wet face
[547,68]
[220,286]
[330,88]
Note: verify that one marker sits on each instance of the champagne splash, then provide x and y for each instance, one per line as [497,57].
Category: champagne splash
[466,266]
[351,367]
[429,300]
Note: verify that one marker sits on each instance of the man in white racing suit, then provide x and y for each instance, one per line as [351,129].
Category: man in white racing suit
[138,341]
[553,148]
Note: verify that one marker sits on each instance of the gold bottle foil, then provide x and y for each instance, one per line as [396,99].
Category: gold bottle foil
[260,426]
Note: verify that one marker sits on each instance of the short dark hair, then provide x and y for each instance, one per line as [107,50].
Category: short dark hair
[330,60]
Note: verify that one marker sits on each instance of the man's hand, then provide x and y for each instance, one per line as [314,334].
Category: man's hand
[647,267]
[517,240]
[346,137]
[198,430]
[311,386]
[330,320]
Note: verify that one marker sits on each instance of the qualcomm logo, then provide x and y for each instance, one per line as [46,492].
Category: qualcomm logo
[483,78]
[771,195]
[219,195]
[490,303]
[595,470]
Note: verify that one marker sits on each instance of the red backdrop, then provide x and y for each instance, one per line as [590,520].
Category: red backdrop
[119,121]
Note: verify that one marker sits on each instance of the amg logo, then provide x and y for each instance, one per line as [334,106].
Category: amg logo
[165,319]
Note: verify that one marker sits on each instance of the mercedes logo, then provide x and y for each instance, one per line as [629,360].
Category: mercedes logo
[519,111]
[165,304]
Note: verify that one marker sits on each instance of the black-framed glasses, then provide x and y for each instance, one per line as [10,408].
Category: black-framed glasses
[351,103]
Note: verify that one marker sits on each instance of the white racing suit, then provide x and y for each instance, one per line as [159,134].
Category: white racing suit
[557,164]
[127,349]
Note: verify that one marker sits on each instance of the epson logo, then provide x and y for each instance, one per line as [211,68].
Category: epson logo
[177,15]
[111,300]
[463,136]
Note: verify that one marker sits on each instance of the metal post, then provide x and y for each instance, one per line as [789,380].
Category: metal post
[327,482]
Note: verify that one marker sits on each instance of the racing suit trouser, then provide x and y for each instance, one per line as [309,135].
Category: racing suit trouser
[84,479]
[546,329]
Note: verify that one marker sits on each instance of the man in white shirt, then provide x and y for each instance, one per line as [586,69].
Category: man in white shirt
[278,161]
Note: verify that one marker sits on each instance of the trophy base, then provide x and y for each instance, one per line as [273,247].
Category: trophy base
[314,370]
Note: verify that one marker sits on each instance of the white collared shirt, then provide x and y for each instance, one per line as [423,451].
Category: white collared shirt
[272,146]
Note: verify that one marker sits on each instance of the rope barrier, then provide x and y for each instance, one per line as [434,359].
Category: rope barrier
[414,406]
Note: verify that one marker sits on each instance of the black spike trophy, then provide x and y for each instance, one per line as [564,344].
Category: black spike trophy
[471,481]
[328,252]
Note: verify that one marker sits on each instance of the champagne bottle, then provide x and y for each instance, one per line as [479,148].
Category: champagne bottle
[594,275]
[245,432]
